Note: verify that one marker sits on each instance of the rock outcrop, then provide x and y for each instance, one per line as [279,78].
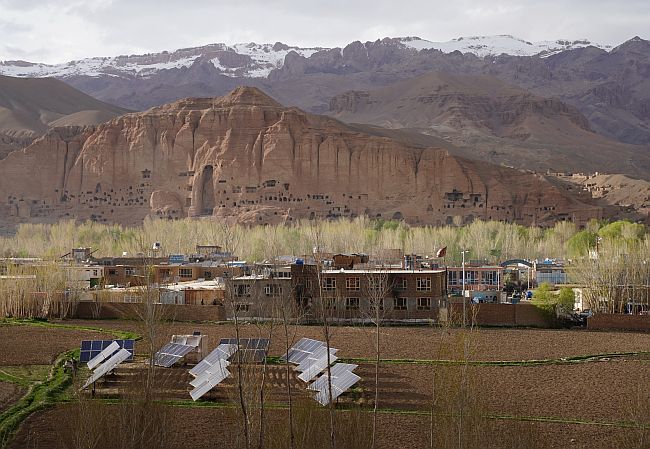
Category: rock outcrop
[247,157]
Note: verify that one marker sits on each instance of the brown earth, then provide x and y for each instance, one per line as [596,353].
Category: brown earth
[491,120]
[29,107]
[245,157]
[37,345]
[602,391]
[9,394]
[204,428]
[419,342]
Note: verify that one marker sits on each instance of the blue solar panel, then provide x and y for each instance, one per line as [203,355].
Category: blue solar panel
[92,348]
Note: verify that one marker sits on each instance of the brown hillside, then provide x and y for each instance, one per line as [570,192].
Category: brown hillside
[29,107]
[494,121]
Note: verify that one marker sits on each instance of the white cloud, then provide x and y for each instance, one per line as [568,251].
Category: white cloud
[57,31]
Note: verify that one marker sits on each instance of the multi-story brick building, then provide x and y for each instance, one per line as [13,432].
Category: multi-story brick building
[398,294]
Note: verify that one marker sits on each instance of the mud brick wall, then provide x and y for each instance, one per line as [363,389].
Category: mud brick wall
[499,314]
[128,311]
[615,321]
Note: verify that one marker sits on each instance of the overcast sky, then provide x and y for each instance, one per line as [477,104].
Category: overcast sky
[55,31]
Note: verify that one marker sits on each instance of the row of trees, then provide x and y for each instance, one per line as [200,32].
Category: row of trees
[485,240]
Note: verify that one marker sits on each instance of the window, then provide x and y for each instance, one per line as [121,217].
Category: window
[353,283]
[471,277]
[329,284]
[329,303]
[377,283]
[94,272]
[351,303]
[399,304]
[401,284]
[281,274]
[129,271]
[490,277]
[242,290]
[185,272]
[453,277]
[207,274]
[424,304]
[272,290]
[423,284]
[112,271]
[242,307]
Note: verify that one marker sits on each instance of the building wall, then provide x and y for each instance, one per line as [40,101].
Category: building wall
[499,314]
[615,321]
[112,310]
[353,295]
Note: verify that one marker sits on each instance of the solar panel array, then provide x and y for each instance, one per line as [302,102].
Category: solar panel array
[301,350]
[315,363]
[252,349]
[106,353]
[221,352]
[170,354]
[117,358]
[209,379]
[311,358]
[342,379]
[92,348]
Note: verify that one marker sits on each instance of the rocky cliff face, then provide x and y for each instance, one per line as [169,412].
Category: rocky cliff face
[247,157]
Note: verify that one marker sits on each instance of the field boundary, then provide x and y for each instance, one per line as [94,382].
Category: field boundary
[46,393]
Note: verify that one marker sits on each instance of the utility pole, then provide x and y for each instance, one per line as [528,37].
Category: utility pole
[464,314]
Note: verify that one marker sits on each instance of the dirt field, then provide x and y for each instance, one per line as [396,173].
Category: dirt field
[422,342]
[201,428]
[596,391]
[9,394]
[38,345]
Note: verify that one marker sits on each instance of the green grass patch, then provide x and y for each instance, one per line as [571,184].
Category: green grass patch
[40,395]
[118,334]
[24,375]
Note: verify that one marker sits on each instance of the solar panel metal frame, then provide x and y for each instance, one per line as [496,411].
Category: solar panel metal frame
[91,348]
[117,358]
[170,354]
[221,352]
[298,352]
[106,353]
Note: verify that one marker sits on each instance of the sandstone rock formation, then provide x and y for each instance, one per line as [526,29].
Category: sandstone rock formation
[247,157]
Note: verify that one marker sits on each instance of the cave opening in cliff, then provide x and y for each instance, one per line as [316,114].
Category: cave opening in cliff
[208,201]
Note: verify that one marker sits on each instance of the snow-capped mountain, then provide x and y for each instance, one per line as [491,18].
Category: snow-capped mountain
[240,60]
[483,46]
[258,60]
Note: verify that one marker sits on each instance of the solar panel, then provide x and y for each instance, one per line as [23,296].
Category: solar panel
[301,350]
[339,384]
[106,353]
[253,349]
[211,380]
[92,348]
[201,378]
[315,363]
[107,366]
[221,352]
[170,354]
[336,370]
